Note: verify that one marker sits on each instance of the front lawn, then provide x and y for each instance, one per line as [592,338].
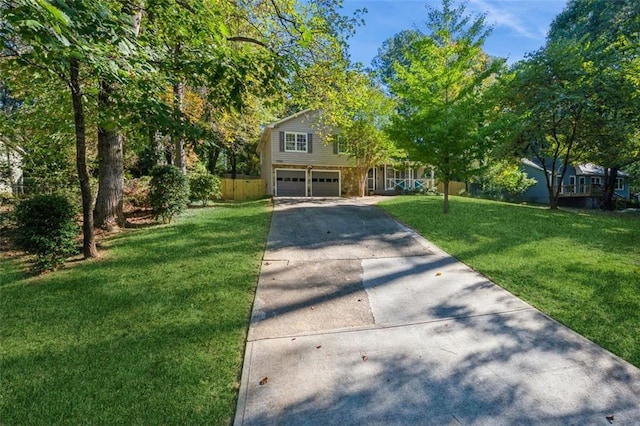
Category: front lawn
[582,269]
[152,333]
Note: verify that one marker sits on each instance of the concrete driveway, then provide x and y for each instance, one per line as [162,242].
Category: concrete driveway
[358,320]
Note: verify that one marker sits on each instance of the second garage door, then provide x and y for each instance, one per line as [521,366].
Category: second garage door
[325,184]
[291,183]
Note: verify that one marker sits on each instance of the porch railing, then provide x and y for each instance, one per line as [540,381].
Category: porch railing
[586,190]
[409,184]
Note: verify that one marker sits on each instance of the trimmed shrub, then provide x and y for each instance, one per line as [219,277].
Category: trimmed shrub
[168,192]
[47,227]
[204,187]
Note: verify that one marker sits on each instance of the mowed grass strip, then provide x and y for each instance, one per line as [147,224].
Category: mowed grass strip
[152,333]
[583,269]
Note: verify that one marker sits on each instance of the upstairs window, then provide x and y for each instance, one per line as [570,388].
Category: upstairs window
[619,184]
[339,145]
[295,142]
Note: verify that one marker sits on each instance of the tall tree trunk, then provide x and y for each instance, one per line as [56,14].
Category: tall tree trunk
[445,205]
[363,172]
[234,163]
[609,188]
[212,159]
[108,211]
[89,243]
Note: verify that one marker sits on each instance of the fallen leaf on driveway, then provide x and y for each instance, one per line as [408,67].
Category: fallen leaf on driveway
[263,381]
[267,263]
[438,274]
[611,418]
[364,357]
[318,347]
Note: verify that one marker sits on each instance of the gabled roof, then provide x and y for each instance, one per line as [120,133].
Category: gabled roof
[291,117]
[266,132]
[530,163]
[586,169]
[590,169]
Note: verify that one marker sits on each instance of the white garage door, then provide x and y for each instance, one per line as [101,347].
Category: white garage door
[291,183]
[325,184]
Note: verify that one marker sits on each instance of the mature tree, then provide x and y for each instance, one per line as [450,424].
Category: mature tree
[606,34]
[438,80]
[108,210]
[543,109]
[392,52]
[38,127]
[355,119]
[64,40]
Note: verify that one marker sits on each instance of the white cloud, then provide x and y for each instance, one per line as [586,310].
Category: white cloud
[518,16]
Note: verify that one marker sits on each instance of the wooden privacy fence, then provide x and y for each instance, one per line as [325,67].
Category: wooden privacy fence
[242,189]
[455,188]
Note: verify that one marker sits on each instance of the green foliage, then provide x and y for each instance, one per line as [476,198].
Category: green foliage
[46,227]
[168,192]
[204,187]
[545,102]
[358,112]
[439,80]
[505,180]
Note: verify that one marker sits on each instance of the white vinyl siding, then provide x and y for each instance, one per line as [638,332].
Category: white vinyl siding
[321,153]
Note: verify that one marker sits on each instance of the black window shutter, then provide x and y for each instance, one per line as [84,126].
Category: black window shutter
[309,143]
[281,141]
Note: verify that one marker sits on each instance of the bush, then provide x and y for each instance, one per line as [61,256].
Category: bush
[506,180]
[47,227]
[168,192]
[136,193]
[204,187]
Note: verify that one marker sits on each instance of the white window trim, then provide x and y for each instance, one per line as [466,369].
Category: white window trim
[296,134]
[621,186]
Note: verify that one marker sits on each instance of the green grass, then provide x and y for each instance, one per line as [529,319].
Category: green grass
[583,269]
[152,333]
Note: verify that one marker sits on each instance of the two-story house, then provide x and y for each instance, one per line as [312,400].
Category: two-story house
[296,162]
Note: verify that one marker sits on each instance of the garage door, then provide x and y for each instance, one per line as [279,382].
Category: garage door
[325,184]
[290,183]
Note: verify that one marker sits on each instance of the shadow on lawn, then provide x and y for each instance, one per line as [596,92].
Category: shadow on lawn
[149,334]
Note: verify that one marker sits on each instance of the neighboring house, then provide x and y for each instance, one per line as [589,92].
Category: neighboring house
[296,162]
[10,168]
[582,185]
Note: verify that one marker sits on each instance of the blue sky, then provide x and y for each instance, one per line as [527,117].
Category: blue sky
[519,26]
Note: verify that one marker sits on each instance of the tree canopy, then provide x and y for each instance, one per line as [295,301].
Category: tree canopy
[438,79]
